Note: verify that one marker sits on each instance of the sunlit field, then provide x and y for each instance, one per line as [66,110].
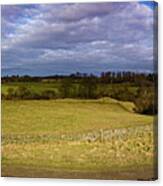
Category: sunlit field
[68,138]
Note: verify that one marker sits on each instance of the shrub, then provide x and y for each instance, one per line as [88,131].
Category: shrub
[48,94]
[146,101]
[121,93]
[3,96]
[10,94]
[23,93]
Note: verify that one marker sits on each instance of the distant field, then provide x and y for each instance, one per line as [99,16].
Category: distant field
[34,86]
[101,139]
[39,87]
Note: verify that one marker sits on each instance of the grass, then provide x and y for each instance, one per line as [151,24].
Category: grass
[39,87]
[36,87]
[101,139]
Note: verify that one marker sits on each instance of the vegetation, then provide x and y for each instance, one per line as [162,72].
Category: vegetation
[100,138]
[124,86]
[146,101]
[80,126]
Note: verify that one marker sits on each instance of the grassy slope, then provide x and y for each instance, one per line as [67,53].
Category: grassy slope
[23,121]
[67,116]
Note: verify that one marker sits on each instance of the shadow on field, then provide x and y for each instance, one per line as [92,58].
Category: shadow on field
[146,174]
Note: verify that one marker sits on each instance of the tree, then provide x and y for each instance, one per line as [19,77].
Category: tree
[88,88]
[65,88]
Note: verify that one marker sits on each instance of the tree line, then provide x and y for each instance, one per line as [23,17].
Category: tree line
[105,77]
[140,88]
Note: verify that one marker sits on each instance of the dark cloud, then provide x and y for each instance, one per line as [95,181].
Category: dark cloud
[64,38]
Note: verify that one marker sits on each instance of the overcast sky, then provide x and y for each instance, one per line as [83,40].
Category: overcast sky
[67,38]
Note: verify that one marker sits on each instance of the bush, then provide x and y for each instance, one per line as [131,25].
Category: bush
[23,93]
[48,94]
[121,93]
[146,101]
[10,94]
[3,96]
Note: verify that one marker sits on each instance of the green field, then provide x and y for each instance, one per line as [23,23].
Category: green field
[33,86]
[68,138]
[54,85]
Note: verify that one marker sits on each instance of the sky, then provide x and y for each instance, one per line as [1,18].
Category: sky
[48,39]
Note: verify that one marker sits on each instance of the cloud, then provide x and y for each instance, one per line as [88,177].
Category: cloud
[90,37]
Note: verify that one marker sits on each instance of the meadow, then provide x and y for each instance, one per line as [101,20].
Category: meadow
[39,87]
[75,138]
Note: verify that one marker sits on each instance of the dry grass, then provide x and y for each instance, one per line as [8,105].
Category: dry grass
[98,136]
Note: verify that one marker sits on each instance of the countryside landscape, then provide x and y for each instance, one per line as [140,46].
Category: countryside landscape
[76,103]
[79,126]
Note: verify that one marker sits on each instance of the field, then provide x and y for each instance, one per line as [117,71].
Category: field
[70,138]
[54,85]
[34,86]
